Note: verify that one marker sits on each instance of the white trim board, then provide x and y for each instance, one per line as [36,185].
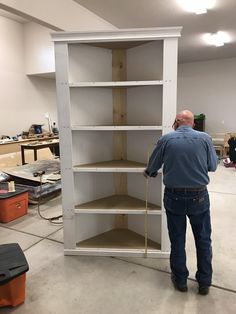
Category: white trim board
[133,34]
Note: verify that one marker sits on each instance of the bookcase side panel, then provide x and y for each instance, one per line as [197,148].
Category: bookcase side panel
[89,64]
[169,108]
[170,83]
[63,106]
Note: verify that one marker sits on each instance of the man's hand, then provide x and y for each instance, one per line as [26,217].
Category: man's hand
[145,173]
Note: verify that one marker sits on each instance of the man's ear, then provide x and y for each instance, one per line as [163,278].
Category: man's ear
[175,125]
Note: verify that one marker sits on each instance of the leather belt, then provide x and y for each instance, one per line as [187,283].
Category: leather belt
[196,189]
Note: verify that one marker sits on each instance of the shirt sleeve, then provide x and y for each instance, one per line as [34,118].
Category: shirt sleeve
[156,160]
[212,159]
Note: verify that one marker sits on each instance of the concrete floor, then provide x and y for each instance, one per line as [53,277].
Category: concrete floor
[58,284]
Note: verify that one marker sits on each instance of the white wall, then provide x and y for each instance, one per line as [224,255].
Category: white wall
[23,100]
[28,49]
[39,49]
[210,87]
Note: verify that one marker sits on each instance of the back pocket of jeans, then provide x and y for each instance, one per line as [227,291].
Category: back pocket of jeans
[199,204]
[176,205]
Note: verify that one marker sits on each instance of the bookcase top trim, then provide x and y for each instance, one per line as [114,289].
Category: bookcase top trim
[136,34]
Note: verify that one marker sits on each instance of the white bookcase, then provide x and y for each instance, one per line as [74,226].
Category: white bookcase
[116,94]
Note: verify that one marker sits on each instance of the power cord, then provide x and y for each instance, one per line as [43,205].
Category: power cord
[50,219]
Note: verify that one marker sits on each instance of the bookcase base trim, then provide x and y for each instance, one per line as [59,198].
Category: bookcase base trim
[117,252]
[153,212]
[90,169]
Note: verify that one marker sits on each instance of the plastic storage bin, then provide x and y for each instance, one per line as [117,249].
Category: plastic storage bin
[12,204]
[13,266]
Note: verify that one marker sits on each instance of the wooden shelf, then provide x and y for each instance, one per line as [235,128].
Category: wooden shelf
[117,84]
[118,239]
[116,128]
[117,204]
[111,166]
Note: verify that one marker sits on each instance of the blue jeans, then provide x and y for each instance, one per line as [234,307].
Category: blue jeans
[195,206]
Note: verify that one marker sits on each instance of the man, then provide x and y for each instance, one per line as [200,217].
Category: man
[187,156]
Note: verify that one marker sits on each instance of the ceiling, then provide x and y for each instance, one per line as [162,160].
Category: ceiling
[160,13]
[12,16]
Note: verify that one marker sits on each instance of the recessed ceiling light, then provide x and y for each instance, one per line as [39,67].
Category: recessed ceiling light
[217,39]
[196,6]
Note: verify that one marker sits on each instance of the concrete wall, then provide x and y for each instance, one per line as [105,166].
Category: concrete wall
[210,87]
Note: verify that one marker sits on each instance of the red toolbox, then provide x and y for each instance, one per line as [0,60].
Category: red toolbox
[12,204]
[13,266]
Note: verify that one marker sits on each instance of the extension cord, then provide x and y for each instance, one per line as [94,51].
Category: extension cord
[50,219]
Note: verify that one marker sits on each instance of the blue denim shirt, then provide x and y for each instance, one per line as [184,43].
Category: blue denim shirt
[187,156]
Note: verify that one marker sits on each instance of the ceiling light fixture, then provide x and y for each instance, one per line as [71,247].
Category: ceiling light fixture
[196,6]
[217,39]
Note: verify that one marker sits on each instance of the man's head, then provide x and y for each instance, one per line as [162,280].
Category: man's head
[184,117]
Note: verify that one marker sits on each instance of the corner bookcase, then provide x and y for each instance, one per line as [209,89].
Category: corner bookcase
[116,94]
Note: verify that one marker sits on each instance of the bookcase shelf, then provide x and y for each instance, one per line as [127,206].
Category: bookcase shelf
[116,128]
[118,204]
[111,166]
[117,84]
[118,239]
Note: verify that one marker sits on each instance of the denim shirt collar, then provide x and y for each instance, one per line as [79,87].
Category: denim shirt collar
[184,127]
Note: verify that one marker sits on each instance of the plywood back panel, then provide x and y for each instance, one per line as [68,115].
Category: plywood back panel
[91,106]
[92,186]
[136,223]
[141,144]
[144,105]
[145,62]
[137,188]
[90,147]
[119,118]
[91,225]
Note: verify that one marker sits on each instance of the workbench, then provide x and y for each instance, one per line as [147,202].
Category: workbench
[14,146]
[35,146]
